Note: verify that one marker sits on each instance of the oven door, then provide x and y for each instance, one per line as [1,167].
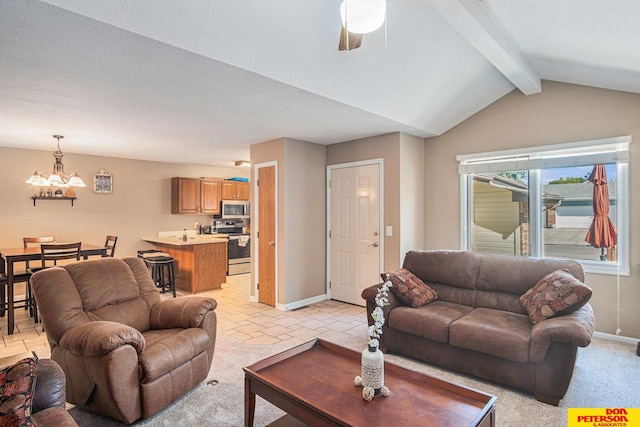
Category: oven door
[239,253]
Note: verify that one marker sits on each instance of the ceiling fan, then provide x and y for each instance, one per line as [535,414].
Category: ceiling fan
[360,17]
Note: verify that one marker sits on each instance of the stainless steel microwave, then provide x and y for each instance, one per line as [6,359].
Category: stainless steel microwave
[235,209]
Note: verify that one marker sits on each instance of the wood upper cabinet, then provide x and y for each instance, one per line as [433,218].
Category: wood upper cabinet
[195,195]
[210,195]
[235,190]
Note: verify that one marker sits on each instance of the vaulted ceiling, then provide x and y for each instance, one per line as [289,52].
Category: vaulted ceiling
[199,81]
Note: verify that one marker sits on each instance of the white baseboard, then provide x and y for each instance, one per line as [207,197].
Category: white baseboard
[301,303]
[613,337]
[253,298]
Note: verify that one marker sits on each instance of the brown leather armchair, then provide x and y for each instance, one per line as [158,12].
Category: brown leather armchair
[126,354]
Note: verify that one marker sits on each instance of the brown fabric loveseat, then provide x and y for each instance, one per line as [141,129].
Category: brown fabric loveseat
[126,354]
[478,326]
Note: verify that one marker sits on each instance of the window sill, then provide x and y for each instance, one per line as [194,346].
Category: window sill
[600,267]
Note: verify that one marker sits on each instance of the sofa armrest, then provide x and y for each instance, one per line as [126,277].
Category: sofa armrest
[50,386]
[369,294]
[181,312]
[100,337]
[575,328]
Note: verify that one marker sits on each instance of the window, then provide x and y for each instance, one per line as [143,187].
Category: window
[540,202]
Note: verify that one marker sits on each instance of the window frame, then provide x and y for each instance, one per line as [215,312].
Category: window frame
[535,159]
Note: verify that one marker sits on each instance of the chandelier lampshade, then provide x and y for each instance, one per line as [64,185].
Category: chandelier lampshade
[76,181]
[58,177]
[38,179]
[363,16]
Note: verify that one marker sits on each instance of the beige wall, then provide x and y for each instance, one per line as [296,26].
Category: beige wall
[386,147]
[140,204]
[305,211]
[561,113]
[404,181]
[412,183]
[301,217]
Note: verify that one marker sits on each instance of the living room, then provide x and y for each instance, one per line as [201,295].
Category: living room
[563,112]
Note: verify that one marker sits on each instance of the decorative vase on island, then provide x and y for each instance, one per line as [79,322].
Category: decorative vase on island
[372,370]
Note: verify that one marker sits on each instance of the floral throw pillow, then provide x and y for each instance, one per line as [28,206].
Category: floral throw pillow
[17,384]
[409,288]
[555,294]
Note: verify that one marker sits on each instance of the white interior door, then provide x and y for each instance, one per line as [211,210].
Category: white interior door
[355,241]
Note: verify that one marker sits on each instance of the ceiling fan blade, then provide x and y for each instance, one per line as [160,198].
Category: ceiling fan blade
[348,40]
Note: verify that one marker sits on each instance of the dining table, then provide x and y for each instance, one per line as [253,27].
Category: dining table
[10,256]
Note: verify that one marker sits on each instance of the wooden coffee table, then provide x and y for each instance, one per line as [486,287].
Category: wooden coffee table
[313,383]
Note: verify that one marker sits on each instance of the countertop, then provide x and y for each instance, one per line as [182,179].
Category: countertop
[198,239]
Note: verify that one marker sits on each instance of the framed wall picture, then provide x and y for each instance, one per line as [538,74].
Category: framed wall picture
[102,181]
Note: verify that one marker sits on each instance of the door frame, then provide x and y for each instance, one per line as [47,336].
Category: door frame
[254,231]
[380,163]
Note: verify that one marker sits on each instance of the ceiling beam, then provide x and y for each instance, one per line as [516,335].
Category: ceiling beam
[472,22]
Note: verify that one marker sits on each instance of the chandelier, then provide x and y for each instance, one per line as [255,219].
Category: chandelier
[57,178]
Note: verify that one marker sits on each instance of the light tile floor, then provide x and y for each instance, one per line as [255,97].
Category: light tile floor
[251,322]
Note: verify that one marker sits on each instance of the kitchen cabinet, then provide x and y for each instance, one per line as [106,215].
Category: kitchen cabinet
[235,190]
[195,195]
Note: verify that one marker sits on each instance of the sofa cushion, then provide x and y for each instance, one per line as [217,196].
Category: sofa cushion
[524,272]
[167,349]
[17,383]
[431,322]
[499,333]
[55,416]
[409,288]
[454,268]
[555,294]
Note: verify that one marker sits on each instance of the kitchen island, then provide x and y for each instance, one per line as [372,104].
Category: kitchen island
[200,262]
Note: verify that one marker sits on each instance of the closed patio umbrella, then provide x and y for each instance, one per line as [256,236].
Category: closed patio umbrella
[602,233]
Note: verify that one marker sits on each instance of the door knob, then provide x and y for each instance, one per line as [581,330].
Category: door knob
[374,244]
[272,243]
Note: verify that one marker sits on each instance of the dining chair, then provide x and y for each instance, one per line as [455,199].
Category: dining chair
[18,277]
[27,241]
[29,302]
[54,252]
[50,254]
[110,244]
[22,276]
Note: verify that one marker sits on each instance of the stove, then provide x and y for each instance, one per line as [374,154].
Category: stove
[230,226]
[238,246]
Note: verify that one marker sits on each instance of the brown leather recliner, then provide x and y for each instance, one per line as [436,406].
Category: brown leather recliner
[126,353]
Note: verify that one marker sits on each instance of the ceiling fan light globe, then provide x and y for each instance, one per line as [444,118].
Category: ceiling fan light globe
[363,16]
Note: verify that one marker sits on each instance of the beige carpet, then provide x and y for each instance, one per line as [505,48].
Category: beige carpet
[607,374]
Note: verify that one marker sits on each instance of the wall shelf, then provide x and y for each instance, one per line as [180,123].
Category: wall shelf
[52,198]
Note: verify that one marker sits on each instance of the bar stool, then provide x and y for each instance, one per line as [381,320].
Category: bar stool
[142,252]
[162,272]
[149,253]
